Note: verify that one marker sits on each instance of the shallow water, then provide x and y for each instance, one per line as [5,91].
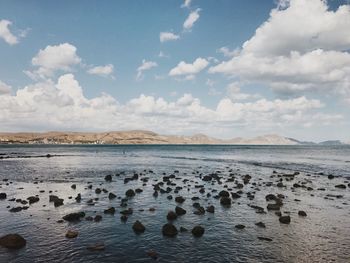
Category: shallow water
[323,236]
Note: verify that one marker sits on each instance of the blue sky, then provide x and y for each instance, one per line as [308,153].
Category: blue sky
[237,68]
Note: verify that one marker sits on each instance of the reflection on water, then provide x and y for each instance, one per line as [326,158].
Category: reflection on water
[323,236]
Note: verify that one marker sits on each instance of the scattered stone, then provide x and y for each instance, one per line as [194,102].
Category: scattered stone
[108,178]
[71,234]
[169,230]
[225,201]
[74,216]
[198,231]
[74,186]
[341,186]
[260,224]
[138,227]
[171,215]
[285,219]
[3,196]
[302,213]
[12,241]
[180,211]
[130,193]
[239,226]
[110,211]
[179,199]
[98,218]
[211,209]
[33,199]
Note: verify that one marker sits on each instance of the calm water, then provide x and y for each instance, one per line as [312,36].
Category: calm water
[323,236]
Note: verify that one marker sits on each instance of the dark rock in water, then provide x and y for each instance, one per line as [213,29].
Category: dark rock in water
[58,202]
[225,201]
[285,219]
[273,207]
[260,224]
[341,186]
[71,234]
[183,229]
[96,247]
[211,209]
[98,190]
[3,196]
[110,210]
[138,190]
[124,218]
[169,197]
[74,186]
[78,198]
[138,227]
[265,238]
[331,176]
[155,194]
[127,212]
[302,213]
[152,254]
[108,178]
[98,218]
[180,211]
[171,215]
[52,198]
[16,209]
[198,231]
[169,230]
[224,193]
[235,195]
[207,178]
[89,218]
[12,241]
[74,216]
[270,197]
[33,199]
[130,193]
[239,226]
[179,199]
[200,211]
[111,196]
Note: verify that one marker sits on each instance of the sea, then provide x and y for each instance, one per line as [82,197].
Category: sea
[42,170]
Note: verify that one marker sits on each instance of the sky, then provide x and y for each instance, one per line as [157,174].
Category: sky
[225,68]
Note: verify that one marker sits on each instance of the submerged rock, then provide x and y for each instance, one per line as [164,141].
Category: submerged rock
[179,199]
[130,193]
[108,178]
[111,196]
[197,231]
[284,219]
[225,201]
[169,230]
[33,199]
[240,226]
[110,211]
[71,234]
[302,213]
[74,216]
[265,238]
[3,196]
[138,227]
[260,224]
[12,241]
[96,247]
[180,211]
[211,209]
[171,215]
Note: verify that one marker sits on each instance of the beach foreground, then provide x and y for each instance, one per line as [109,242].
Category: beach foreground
[175,203]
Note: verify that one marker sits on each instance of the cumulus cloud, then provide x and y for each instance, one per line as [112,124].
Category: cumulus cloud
[146,65]
[227,52]
[168,36]
[4,88]
[54,58]
[6,34]
[103,71]
[184,68]
[49,105]
[191,19]
[302,47]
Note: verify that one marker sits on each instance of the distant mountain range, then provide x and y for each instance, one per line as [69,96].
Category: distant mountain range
[143,137]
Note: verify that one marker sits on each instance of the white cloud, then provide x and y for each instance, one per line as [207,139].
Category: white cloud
[186,4]
[4,88]
[168,36]
[302,47]
[184,68]
[54,58]
[234,93]
[6,34]
[103,71]
[191,19]
[146,65]
[62,105]
[227,52]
